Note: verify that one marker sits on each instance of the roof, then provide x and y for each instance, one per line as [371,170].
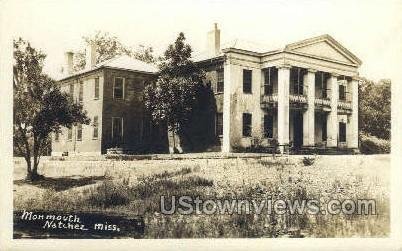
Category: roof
[261,49]
[123,62]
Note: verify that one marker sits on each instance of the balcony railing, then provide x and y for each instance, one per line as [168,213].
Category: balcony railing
[324,102]
[270,98]
[298,99]
[346,105]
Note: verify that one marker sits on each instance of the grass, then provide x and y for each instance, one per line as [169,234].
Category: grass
[135,187]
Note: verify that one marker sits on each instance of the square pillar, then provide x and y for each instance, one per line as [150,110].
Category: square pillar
[283,105]
[332,121]
[227,96]
[309,115]
[352,129]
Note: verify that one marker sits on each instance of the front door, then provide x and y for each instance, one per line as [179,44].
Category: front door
[297,129]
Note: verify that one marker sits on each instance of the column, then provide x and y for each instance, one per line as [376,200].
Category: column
[283,105]
[352,129]
[332,122]
[227,70]
[308,116]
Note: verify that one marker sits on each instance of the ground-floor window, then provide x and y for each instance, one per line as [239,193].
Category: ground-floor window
[268,125]
[70,134]
[342,132]
[96,128]
[79,132]
[246,124]
[219,124]
[117,129]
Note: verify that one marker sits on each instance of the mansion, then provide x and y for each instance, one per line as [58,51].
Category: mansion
[302,95]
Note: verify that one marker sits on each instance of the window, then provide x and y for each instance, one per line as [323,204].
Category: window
[247,81]
[70,134]
[268,126]
[246,124]
[342,92]
[117,130]
[118,88]
[321,83]
[220,83]
[342,132]
[271,78]
[81,92]
[96,94]
[324,129]
[219,124]
[71,91]
[79,132]
[56,136]
[297,79]
[96,128]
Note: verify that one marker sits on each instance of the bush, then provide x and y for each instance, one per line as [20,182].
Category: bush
[373,145]
[308,161]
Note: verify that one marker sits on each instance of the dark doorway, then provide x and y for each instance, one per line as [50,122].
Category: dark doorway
[297,129]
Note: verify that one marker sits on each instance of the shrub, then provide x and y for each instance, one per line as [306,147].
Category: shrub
[373,145]
[308,161]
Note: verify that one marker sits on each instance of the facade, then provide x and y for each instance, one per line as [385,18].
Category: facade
[112,95]
[303,95]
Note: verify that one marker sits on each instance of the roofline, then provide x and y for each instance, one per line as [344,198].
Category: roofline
[104,67]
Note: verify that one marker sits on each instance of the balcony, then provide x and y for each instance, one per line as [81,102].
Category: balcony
[269,101]
[344,107]
[323,104]
[297,101]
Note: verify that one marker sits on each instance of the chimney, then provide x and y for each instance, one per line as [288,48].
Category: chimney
[68,63]
[214,41]
[90,56]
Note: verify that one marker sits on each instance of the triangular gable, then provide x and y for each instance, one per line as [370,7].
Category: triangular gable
[324,47]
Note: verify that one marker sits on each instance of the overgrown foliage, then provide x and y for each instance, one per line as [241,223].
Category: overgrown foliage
[375,108]
[109,46]
[170,100]
[40,108]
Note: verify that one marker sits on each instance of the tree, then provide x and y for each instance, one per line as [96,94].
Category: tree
[40,108]
[375,108]
[109,47]
[171,98]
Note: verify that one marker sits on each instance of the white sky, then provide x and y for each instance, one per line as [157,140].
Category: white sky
[369,29]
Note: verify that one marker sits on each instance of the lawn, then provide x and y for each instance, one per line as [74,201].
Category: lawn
[133,188]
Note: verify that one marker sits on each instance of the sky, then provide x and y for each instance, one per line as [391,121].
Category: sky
[369,29]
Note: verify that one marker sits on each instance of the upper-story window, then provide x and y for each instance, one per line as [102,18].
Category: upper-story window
[96,90]
[118,88]
[81,92]
[247,124]
[270,79]
[220,82]
[321,79]
[297,80]
[71,90]
[247,81]
[342,92]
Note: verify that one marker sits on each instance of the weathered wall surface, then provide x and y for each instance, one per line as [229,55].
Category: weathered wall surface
[136,126]
[88,145]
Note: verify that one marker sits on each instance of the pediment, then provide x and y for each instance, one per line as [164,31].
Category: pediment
[324,47]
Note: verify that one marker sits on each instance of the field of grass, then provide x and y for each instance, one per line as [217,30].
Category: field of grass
[134,188]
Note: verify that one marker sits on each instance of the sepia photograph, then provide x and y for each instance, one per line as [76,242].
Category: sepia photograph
[201,121]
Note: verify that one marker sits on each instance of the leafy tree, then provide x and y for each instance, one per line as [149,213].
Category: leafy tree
[40,108]
[171,98]
[108,47]
[375,108]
